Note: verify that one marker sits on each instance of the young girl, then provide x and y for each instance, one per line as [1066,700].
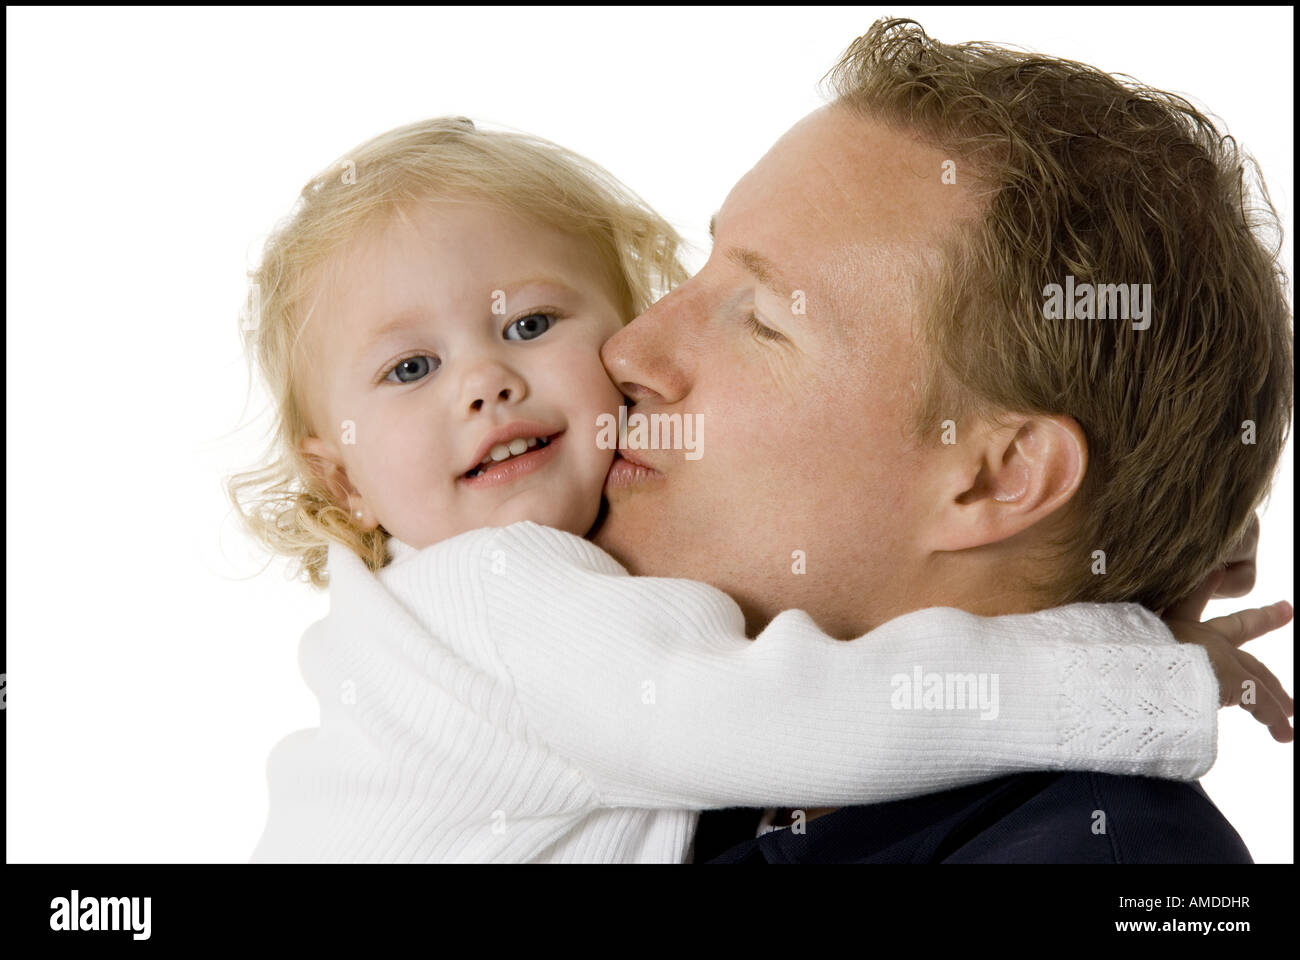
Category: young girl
[493,687]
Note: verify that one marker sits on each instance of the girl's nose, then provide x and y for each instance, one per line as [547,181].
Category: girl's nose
[490,384]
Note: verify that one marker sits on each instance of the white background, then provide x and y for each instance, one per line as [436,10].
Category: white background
[149,151]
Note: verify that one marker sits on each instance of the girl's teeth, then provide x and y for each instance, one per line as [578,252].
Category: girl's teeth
[515,447]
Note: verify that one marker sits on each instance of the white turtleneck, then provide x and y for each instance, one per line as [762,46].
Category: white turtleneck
[512,694]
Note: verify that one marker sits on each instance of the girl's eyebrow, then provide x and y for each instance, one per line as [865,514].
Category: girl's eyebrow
[397,324]
[540,279]
[408,319]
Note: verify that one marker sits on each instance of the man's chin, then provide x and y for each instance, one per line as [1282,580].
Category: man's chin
[647,537]
[594,532]
[611,533]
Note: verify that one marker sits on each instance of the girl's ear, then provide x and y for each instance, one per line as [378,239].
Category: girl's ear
[327,466]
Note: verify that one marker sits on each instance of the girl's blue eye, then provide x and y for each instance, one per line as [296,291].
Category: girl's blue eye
[414,367]
[530,327]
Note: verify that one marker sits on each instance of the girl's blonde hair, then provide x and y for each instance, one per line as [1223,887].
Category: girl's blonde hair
[281,502]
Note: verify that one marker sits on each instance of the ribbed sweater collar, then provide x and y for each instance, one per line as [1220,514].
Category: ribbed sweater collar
[399,551]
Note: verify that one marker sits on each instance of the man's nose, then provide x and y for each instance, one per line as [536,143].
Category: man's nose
[653,357]
[488,385]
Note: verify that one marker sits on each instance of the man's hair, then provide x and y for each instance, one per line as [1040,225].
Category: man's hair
[282,504]
[1086,175]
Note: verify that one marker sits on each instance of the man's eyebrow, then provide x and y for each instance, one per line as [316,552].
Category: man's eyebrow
[753,263]
[761,268]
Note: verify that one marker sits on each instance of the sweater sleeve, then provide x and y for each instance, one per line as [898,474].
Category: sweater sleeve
[651,687]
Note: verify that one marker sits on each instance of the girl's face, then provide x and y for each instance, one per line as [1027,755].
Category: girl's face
[440,339]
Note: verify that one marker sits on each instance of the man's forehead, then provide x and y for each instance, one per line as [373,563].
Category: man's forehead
[842,204]
[836,259]
[839,176]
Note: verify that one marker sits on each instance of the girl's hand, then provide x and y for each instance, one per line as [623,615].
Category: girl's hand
[1236,670]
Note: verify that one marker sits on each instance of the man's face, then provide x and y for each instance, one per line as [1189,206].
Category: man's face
[808,464]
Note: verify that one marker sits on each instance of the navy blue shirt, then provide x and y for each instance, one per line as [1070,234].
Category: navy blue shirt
[1069,817]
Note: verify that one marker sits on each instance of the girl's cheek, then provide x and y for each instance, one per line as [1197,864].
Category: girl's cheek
[585,377]
[604,393]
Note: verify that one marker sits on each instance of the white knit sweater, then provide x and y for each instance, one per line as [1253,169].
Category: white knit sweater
[512,694]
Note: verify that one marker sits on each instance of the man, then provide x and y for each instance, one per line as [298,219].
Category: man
[899,401]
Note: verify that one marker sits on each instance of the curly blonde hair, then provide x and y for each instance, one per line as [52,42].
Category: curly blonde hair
[282,503]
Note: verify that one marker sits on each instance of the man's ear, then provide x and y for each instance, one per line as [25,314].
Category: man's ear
[327,466]
[1006,477]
